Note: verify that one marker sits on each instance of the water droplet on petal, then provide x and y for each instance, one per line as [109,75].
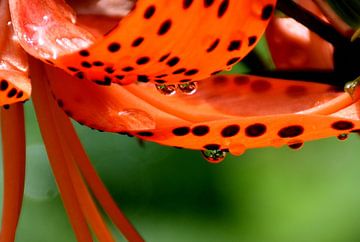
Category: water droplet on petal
[214,156]
[188,88]
[342,136]
[134,119]
[167,90]
[296,146]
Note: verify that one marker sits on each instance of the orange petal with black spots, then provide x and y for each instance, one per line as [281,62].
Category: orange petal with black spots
[228,112]
[159,41]
[14,82]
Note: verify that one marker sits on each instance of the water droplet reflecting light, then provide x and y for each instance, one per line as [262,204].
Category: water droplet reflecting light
[188,88]
[167,90]
[214,156]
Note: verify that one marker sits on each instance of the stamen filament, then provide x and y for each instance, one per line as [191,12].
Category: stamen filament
[78,165]
[87,204]
[13,141]
[94,181]
[55,153]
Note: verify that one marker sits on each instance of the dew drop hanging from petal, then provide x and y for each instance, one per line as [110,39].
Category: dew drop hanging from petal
[214,156]
[342,137]
[188,88]
[167,90]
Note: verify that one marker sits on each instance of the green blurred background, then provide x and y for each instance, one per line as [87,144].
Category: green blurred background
[175,195]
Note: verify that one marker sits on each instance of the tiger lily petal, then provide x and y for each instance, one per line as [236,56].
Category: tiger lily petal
[164,43]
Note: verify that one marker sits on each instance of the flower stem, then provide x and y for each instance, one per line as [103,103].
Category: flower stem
[13,140]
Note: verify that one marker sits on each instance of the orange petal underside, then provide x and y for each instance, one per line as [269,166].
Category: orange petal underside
[14,82]
[293,46]
[159,41]
[228,112]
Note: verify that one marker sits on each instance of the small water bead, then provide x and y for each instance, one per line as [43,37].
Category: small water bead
[188,88]
[214,156]
[342,137]
[167,90]
[296,146]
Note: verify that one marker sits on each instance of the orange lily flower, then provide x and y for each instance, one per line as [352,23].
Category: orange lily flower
[90,72]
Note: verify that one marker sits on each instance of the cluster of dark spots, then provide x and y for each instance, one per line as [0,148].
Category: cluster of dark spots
[142,60]
[161,76]
[223,8]
[208,3]
[137,42]
[143,78]
[179,71]
[98,63]
[86,64]
[20,94]
[213,46]
[230,130]
[173,61]
[187,3]
[73,69]
[149,12]
[114,47]
[12,92]
[267,11]
[84,53]
[220,80]
[260,86]
[233,61]
[342,125]
[234,45]
[252,40]
[241,80]
[200,130]
[164,27]
[119,77]
[191,72]
[296,91]
[80,75]
[109,69]
[215,72]
[164,57]
[106,82]
[128,69]
[4,85]
[181,131]
[255,130]
[291,131]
